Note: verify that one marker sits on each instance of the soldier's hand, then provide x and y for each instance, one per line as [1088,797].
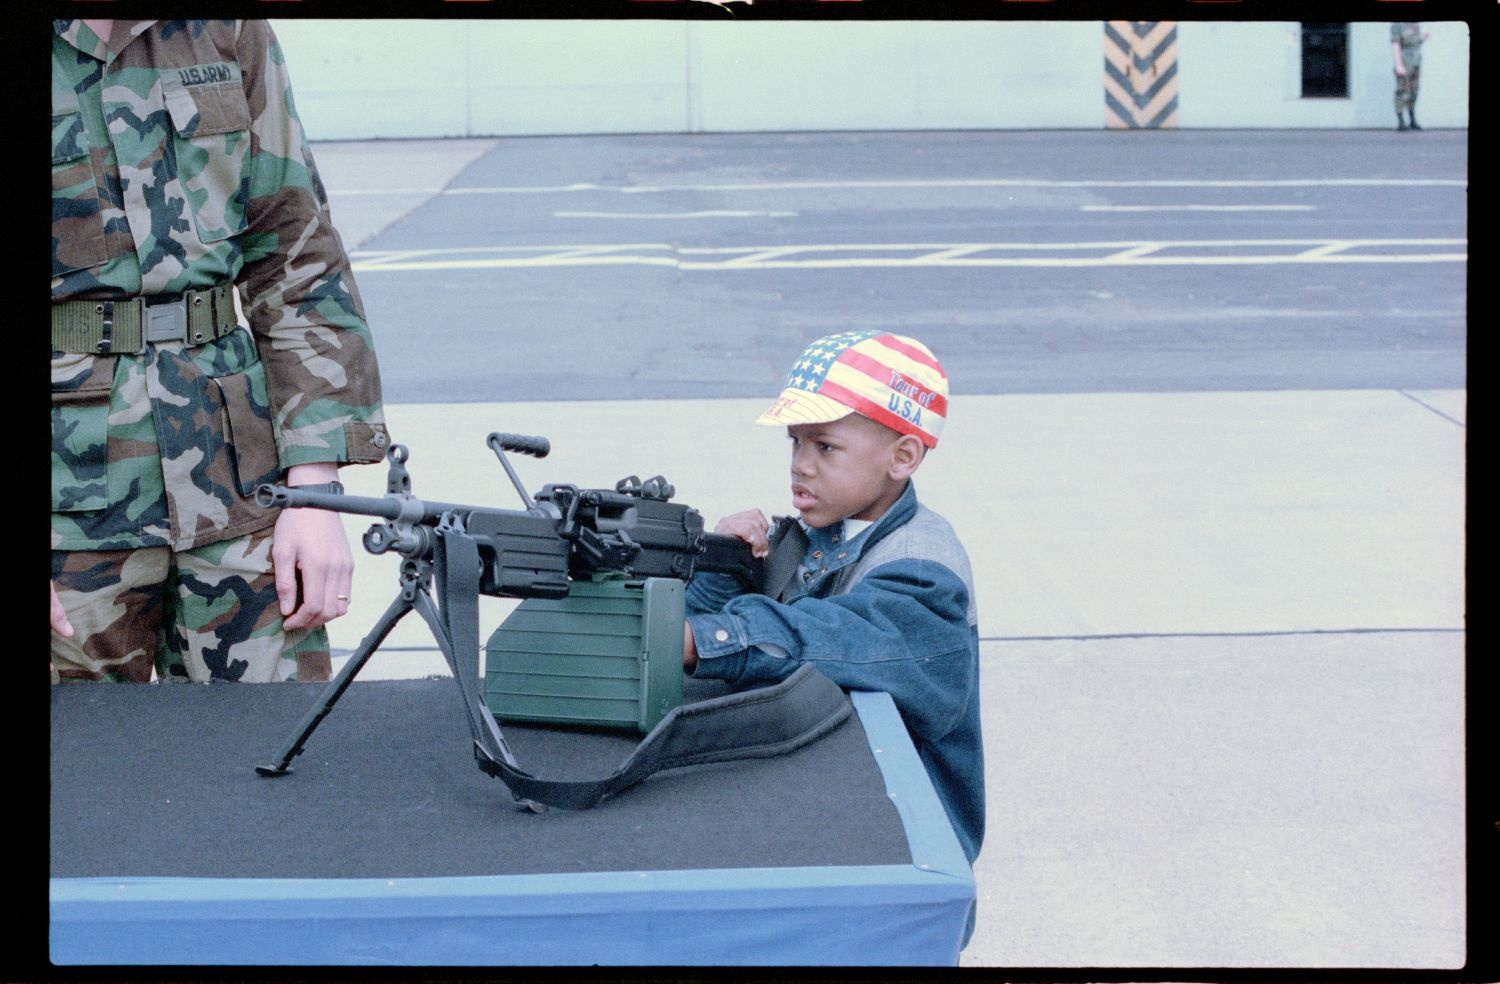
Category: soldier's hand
[750,526]
[309,550]
[60,623]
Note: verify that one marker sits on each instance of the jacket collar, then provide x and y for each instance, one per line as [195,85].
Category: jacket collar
[901,510]
[832,543]
[793,563]
[78,34]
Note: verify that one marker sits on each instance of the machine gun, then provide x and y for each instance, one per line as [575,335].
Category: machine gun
[563,534]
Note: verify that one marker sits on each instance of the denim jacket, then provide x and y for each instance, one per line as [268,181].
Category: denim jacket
[892,610]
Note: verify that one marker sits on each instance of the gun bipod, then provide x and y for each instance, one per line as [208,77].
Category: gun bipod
[454,620]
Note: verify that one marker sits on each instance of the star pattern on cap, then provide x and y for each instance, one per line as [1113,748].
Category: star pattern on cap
[810,371]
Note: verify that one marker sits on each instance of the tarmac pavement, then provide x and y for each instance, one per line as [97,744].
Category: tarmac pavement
[1223,657]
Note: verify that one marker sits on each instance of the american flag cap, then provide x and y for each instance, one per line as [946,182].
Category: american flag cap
[891,379]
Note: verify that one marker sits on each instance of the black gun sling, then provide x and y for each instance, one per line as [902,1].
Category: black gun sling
[758,723]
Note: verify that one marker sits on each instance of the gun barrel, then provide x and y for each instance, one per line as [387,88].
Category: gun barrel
[389,507]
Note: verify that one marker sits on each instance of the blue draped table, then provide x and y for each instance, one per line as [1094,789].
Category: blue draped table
[388,846]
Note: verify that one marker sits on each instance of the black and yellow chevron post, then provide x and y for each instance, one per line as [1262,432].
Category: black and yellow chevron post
[1140,75]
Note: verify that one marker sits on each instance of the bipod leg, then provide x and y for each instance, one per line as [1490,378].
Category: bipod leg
[336,687]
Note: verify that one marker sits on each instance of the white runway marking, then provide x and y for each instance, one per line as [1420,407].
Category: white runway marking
[1195,208]
[1194,252]
[711,214]
[587,186]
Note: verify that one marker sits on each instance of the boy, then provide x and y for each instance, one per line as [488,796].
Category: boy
[869,586]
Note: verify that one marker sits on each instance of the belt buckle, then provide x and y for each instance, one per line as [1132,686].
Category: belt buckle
[165,322]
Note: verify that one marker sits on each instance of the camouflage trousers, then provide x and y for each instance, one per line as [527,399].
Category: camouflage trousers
[209,613]
[1406,89]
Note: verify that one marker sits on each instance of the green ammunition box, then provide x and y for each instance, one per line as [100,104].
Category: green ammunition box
[609,654]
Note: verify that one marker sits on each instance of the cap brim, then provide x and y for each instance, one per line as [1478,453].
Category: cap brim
[797,406]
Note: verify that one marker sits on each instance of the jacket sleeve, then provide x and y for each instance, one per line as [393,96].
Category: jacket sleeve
[710,592]
[902,629]
[298,291]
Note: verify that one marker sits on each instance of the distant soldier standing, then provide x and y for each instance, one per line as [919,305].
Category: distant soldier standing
[180,175]
[1406,50]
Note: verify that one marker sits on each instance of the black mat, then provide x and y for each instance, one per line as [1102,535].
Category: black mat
[160,781]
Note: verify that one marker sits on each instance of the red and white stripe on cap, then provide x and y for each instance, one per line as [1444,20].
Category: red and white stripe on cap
[891,379]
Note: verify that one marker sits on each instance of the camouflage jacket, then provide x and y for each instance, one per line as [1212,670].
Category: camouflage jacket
[179,163]
[1408,34]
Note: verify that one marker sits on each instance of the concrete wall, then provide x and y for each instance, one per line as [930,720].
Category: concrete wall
[357,79]
[1249,76]
[892,75]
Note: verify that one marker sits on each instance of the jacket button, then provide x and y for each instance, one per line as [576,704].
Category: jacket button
[721,635]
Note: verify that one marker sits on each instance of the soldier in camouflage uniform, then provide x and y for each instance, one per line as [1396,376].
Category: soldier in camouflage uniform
[180,176]
[1406,50]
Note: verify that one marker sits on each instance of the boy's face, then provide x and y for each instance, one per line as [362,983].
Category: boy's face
[849,468]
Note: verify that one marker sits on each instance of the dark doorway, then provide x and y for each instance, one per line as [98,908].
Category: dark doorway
[1325,61]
